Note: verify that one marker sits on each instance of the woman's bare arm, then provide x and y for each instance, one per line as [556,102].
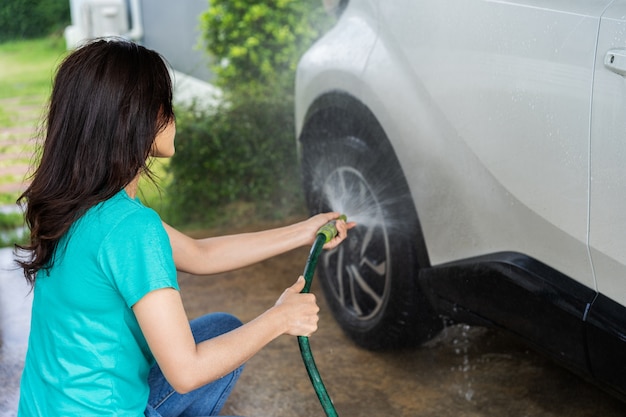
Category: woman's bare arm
[187,365]
[226,253]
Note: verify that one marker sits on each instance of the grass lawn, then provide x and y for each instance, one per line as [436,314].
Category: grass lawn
[27,69]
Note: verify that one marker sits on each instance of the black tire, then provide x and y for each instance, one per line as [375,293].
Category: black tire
[370,281]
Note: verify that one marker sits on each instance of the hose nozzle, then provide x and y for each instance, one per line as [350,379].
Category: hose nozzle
[329,230]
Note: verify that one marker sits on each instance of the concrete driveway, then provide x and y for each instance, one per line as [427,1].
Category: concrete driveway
[466,371]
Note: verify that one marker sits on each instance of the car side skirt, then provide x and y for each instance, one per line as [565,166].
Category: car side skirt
[606,341]
[579,328]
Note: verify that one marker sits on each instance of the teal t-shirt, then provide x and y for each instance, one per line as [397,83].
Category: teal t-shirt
[86,353]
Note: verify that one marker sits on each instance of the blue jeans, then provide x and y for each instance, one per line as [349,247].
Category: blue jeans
[204,401]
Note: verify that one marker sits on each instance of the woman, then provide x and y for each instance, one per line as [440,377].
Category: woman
[109,334]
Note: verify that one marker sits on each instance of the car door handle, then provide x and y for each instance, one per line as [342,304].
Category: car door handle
[615,60]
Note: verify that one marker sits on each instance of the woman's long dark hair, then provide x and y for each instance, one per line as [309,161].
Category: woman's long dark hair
[109,100]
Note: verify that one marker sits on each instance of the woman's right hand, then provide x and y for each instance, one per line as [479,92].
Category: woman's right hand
[298,310]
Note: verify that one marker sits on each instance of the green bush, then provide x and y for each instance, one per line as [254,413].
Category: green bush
[12,229]
[259,42]
[238,161]
[32,18]
[10,221]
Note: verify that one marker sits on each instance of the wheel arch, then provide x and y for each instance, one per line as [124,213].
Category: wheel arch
[336,113]
[328,108]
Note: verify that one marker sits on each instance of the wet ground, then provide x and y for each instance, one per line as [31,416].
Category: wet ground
[466,371]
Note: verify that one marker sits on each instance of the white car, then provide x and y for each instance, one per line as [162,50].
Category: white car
[481,146]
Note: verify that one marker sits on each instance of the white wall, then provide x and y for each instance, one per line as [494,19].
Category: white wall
[172,29]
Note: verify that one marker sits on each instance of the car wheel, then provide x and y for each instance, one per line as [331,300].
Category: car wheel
[370,280]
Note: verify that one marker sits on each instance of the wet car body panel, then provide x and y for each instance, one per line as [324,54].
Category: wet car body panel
[509,129]
[511,135]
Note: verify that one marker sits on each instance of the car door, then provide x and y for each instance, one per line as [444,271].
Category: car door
[606,326]
[511,82]
[608,157]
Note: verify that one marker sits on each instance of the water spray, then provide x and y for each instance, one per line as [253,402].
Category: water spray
[325,234]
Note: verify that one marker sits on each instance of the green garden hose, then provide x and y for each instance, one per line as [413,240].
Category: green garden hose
[324,234]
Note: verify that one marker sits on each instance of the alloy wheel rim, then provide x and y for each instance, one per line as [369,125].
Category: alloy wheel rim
[358,270]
